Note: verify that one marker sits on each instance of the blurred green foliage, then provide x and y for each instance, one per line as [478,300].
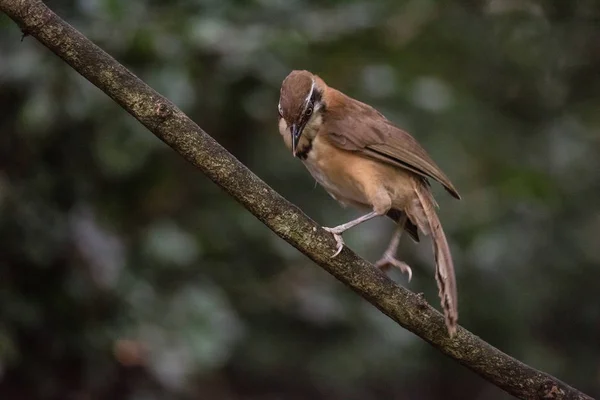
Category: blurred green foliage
[126,274]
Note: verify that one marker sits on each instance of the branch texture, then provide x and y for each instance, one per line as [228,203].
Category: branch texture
[174,128]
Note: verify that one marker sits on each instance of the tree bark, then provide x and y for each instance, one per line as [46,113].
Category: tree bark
[173,127]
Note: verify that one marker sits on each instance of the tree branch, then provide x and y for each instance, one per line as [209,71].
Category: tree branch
[174,128]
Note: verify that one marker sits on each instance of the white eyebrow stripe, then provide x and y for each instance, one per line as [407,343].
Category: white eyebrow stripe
[312,89]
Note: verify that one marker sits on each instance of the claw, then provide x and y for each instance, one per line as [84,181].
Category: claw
[389,260]
[338,239]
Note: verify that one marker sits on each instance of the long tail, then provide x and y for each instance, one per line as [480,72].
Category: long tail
[444,272]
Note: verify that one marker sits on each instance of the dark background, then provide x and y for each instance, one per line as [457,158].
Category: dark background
[126,274]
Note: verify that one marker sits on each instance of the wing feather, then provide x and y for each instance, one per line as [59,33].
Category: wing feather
[356,126]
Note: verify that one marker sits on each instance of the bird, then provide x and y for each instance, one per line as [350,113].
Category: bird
[363,160]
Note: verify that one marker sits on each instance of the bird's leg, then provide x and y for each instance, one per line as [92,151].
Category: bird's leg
[338,230]
[389,257]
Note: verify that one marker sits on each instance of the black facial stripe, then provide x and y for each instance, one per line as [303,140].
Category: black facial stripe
[316,97]
[304,117]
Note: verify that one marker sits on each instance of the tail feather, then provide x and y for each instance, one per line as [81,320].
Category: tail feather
[444,272]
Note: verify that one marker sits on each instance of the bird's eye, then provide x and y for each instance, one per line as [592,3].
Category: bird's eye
[279,110]
[309,111]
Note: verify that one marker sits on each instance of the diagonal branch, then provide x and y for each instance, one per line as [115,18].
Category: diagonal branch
[174,128]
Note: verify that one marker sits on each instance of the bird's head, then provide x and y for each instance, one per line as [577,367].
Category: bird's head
[300,102]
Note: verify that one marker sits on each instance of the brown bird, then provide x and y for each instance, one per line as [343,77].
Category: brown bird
[363,160]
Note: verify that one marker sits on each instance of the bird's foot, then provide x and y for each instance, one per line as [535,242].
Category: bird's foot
[337,235]
[388,260]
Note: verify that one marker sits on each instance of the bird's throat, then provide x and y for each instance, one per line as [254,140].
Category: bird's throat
[305,143]
[304,147]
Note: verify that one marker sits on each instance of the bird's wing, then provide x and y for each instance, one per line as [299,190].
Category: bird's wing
[363,129]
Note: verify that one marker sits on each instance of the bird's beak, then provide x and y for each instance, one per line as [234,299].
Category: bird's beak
[296,131]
